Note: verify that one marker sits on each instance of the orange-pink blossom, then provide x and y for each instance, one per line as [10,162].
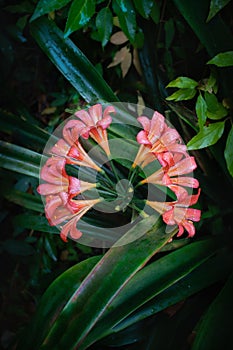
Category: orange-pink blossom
[179,213]
[157,139]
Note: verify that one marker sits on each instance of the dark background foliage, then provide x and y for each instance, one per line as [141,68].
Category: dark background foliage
[167,41]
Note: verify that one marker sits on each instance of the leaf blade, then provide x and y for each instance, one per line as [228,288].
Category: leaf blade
[71,62]
[207,136]
[43,7]
[228,153]
[104,23]
[79,15]
[79,324]
[223,59]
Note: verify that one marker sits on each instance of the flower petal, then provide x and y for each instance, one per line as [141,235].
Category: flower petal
[183,167]
[145,122]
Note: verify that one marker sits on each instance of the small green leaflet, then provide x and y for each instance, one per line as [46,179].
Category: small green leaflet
[183,83]
[228,153]
[127,18]
[44,6]
[207,136]
[143,7]
[79,15]
[201,109]
[215,109]
[104,24]
[224,59]
[182,94]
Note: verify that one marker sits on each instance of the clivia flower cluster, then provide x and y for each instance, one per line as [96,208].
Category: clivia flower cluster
[158,141]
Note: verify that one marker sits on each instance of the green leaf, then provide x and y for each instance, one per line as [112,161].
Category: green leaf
[25,200]
[155,12]
[228,153]
[224,59]
[104,24]
[23,130]
[34,222]
[144,7]
[127,18]
[183,83]
[207,136]
[104,283]
[209,272]
[79,15]
[182,94]
[201,109]
[149,282]
[215,109]
[215,7]
[19,159]
[18,247]
[214,330]
[52,302]
[45,6]
[72,63]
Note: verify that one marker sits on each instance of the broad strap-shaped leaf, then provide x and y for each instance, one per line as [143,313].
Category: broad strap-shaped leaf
[72,63]
[25,200]
[207,136]
[79,15]
[104,283]
[149,282]
[215,328]
[53,301]
[24,131]
[34,222]
[224,59]
[228,153]
[19,159]
[45,6]
[214,269]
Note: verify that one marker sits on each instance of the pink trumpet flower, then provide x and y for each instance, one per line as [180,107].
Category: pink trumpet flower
[171,178]
[74,153]
[157,139]
[94,124]
[53,172]
[178,213]
[81,207]
[60,208]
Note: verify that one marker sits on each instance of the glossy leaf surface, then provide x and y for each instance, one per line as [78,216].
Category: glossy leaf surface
[104,23]
[45,6]
[72,63]
[54,300]
[79,15]
[19,159]
[104,283]
[207,136]
[149,282]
